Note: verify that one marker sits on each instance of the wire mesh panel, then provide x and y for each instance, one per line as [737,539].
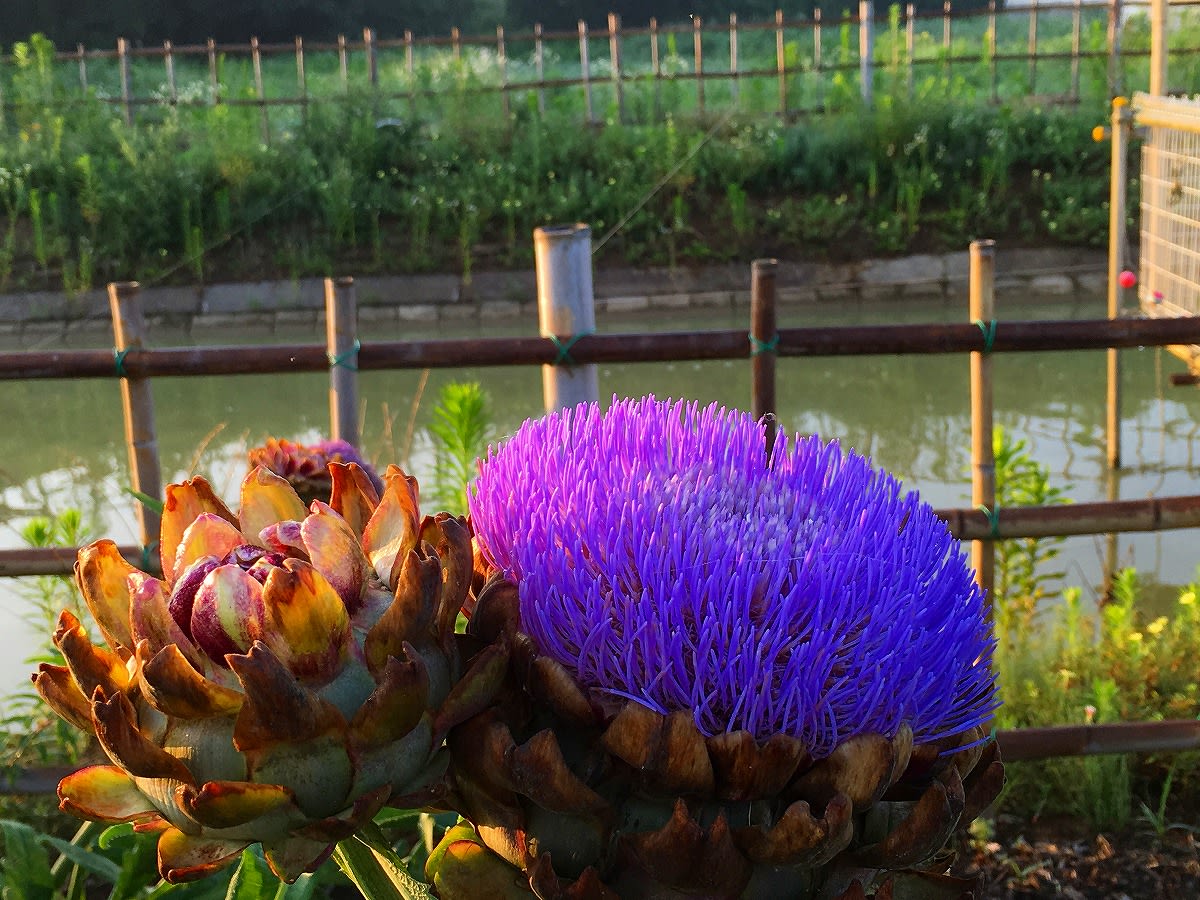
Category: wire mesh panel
[1170,235]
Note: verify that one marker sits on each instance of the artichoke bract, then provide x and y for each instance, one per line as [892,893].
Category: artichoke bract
[293,670]
[731,676]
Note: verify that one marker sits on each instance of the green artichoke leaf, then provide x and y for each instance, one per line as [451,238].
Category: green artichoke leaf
[376,870]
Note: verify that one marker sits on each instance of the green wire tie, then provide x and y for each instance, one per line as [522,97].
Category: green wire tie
[993,517]
[343,358]
[564,357]
[989,333]
[119,359]
[757,346]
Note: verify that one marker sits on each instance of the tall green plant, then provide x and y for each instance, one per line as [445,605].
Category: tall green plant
[460,431]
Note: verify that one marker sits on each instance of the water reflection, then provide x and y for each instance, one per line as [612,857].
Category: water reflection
[62,442]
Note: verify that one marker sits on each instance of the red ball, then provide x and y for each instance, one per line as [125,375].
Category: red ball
[1127,279]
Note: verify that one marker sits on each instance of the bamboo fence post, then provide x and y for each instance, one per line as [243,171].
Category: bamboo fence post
[655,68]
[456,44]
[614,55]
[539,66]
[137,404]
[820,82]
[1116,263]
[126,78]
[910,46]
[81,54]
[410,70]
[502,61]
[991,47]
[343,62]
[734,77]
[585,67]
[566,310]
[764,343]
[947,43]
[1076,40]
[1115,78]
[214,80]
[698,61]
[983,460]
[1159,15]
[264,116]
[866,50]
[301,77]
[372,58]
[1033,42]
[169,65]
[341,341]
[781,63]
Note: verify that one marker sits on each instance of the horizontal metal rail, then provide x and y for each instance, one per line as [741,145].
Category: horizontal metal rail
[857,340]
[1155,514]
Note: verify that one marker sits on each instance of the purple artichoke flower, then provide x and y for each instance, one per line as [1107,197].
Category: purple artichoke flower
[661,559]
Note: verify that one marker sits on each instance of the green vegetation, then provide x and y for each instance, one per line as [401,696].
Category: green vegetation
[371,181]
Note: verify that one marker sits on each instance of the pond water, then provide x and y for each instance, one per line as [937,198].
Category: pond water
[63,446]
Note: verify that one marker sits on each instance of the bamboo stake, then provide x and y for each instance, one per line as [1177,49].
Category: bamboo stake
[341,340]
[947,42]
[566,311]
[991,45]
[764,338]
[1116,263]
[820,82]
[301,77]
[169,65]
[410,71]
[256,60]
[734,77]
[1033,42]
[983,461]
[137,403]
[910,46]
[372,58]
[1115,78]
[698,61]
[1159,14]
[585,67]
[655,68]
[781,63]
[614,55]
[214,81]
[866,50]
[343,62]
[502,62]
[539,66]
[83,75]
[126,77]
[1076,40]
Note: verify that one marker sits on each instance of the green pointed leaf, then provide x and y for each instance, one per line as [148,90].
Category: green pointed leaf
[377,871]
[146,500]
[87,860]
[249,879]
[114,833]
[302,889]
[26,864]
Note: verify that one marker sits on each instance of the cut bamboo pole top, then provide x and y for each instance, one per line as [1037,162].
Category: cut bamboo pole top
[857,340]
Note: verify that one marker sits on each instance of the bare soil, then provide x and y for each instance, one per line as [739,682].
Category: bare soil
[1061,858]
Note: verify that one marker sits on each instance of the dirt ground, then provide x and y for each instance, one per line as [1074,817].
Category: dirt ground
[1061,859]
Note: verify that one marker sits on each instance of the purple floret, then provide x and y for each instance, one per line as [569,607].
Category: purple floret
[660,559]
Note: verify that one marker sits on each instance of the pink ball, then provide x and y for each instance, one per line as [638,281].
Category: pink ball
[1127,279]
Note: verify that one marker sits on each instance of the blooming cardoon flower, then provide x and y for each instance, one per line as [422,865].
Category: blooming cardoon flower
[306,466]
[780,667]
[293,670]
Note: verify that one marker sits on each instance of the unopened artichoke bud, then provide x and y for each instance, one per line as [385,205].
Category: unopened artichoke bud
[306,466]
[731,676]
[293,670]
